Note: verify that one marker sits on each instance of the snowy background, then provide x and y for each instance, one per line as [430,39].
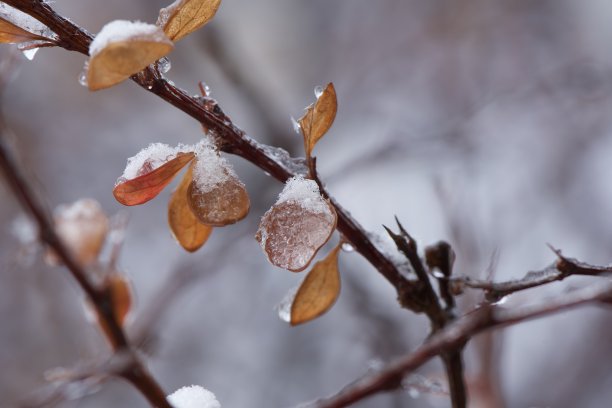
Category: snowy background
[487,124]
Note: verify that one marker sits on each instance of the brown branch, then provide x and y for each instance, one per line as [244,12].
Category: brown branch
[456,334]
[561,269]
[137,373]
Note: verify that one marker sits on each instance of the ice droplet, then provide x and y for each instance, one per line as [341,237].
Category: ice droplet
[29,54]
[346,247]
[164,65]
[284,307]
[83,75]
[296,125]
[318,91]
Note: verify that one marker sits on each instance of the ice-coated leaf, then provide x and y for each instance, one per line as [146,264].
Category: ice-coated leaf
[123,48]
[319,117]
[183,17]
[145,187]
[297,225]
[319,290]
[225,203]
[12,34]
[121,296]
[185,227]
[82,226]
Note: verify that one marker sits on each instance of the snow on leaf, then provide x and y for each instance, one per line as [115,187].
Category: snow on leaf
[193,396]
[183,17]
[216,196]
[318,118]
[145,187]
[123,48]
[12,34]
[185,227]
[297,225]
[82,226]
[319,290]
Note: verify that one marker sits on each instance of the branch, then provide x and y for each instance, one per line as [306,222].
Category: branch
[561,269]
[455,334]
[136,373]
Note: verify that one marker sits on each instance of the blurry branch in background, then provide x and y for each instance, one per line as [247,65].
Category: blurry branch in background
[485,318]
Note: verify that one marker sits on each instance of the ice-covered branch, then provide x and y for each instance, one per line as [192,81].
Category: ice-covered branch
[455,334]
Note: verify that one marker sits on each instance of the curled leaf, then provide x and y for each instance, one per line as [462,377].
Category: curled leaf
[13,34]
[296,226]
[82,227]
[319,290]
[183,17]
[185,227]
[318,118]
[225,203]
[143,188]
[123,48]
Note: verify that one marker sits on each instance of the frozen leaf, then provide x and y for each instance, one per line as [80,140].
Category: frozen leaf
[297,225]
[82,227]
[185,227]
[12,34]
[183,17]
[226,203]
[193,396]
[150,182]
[216,196]
[319,117]
[123,48]
[319,290]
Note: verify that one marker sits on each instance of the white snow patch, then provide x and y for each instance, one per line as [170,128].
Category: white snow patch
[193,396]
[210,168]
[124,30]
[23,20]
[153,156]
[304,192]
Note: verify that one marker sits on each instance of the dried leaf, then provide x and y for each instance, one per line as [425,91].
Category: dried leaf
[319,118]
[185,227]
[12,34]
[291,234]
[82,227]
[226,203]
[116,61]
[141,189]
[183,17]
[319,290]
[121,296]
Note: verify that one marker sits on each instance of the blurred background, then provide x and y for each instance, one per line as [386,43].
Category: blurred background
[486,124]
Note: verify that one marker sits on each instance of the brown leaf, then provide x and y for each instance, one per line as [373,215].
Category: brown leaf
[82,227]
[185,227]
[291,235]
[121,296]
[143,188]
[12,34]
[319,290]
[119,60]
[226,203]
[318,118]
[183,17]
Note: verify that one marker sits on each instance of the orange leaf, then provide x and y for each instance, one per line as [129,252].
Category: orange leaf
[318,118]
[116,58]
[319,290]
[291,235]
[185,227]
[226,203]
[12,34]
[183,17]
[141,189]
[121,296]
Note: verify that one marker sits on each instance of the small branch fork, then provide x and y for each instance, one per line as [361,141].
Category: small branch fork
[449,334]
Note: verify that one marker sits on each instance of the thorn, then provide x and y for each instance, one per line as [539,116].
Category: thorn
[556,251]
